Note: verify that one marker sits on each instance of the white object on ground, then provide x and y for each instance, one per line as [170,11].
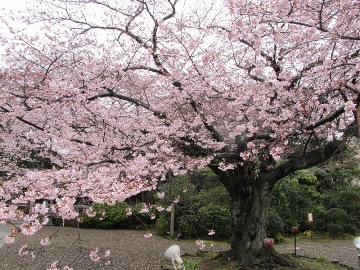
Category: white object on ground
[173,254]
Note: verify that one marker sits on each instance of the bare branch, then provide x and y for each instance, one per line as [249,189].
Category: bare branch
[327,119]
[172,14]
[134,101]
[312,158]
[24,120]
[111,161]
[325,30]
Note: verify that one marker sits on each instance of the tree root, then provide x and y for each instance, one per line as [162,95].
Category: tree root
[267,257]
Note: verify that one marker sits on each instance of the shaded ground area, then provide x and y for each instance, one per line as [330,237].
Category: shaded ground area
[131,251]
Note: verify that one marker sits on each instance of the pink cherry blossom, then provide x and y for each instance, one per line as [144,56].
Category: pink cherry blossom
[45,242]
[23,250]
[107,253]
[144,209]
[200,245]
[241,84]
[349,106]
[129,211]
[94,255]
[160,195]
[176,200]
[9,239]
[147,234]
[90,212]
[160,208]
[53,266]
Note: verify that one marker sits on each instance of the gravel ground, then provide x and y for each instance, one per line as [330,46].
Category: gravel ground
[131,251]
[340,251]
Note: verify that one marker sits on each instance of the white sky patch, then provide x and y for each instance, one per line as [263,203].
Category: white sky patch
[14,4]
[15,7]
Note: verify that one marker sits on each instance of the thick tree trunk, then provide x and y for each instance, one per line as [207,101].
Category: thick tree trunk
[250,189]
[250,202]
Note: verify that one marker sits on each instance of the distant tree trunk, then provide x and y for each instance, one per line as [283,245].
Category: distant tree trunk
[250,202]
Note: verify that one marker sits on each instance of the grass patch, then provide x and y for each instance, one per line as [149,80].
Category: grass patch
[191,264]
[320,263]
[211,261]
[317,238]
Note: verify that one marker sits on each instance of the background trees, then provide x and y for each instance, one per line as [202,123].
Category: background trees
[204,205]
[119,94]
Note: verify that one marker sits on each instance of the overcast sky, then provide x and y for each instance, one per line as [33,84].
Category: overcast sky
[13,4]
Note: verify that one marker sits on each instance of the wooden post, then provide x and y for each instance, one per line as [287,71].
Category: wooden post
[358,115]
[295,230]
[31,205]
[311,220]
[172,222]
[172,213]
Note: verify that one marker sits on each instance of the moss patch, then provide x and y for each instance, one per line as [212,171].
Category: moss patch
[214,261]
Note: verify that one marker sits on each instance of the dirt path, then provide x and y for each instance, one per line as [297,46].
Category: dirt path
[131,251]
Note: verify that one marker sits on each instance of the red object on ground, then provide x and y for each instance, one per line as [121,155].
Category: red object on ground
[269,241]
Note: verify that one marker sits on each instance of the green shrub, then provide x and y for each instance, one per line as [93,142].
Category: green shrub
[215,217]
[351,229]
[280,238]
[336,215]
[193,215]
[294,196]
[347,197]
[319,224]
[335,230]
[187,226]
[217,195]
[162,225]
[191,265]
[349,200]
[275,225]
[308,233]
[115,217]
[289,223]
[141,221]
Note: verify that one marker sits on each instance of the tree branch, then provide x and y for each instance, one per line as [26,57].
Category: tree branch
[24,121]
[327,119]
[111,161]
[311,159]
[325,30]
[134,101]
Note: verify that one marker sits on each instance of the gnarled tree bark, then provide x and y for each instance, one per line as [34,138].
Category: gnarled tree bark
[250,190]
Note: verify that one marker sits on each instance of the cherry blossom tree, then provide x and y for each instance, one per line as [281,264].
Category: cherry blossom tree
[115,94]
